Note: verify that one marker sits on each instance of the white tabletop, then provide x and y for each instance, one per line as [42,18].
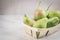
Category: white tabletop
[11,28]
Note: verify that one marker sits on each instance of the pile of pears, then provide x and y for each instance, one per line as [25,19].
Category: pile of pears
[43,18]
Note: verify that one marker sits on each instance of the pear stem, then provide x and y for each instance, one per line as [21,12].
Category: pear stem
[39,3]
[49,6]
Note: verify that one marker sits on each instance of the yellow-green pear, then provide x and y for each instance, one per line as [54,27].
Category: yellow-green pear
[41,23]
[52,22]
[27,20]
[39,14]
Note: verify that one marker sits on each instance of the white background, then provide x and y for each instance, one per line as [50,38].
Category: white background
[25,6]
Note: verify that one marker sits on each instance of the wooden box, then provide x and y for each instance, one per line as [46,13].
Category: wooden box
[40,32]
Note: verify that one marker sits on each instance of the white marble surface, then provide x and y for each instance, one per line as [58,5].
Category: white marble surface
[11,28]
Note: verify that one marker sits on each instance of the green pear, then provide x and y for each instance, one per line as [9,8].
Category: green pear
[39,14]
[31,22]
[54,13]
[52,22]
[41,23]
[27,20]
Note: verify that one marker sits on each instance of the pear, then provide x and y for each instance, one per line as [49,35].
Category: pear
[27,20]
[31,22]
[54,13]
[41,23]
[39,14]
[52,22]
